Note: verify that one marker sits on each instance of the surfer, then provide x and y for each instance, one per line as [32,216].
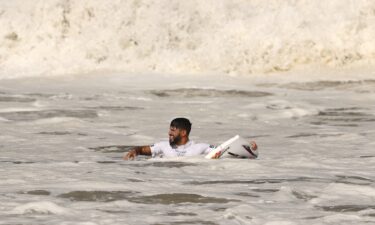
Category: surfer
[179,143]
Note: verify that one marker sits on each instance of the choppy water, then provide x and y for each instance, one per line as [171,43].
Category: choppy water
[62,140]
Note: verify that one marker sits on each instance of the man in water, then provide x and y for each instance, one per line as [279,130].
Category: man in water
[178,145]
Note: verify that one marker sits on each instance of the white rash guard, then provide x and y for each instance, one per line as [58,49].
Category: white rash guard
[164,149]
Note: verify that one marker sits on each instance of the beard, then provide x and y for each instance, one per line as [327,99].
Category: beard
[175,140]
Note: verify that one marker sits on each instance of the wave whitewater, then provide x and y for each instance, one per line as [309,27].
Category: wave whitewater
[49,37]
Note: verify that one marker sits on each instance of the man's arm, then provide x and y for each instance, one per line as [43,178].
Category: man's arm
[141,150]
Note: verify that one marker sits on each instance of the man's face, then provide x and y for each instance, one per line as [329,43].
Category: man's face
[174,136]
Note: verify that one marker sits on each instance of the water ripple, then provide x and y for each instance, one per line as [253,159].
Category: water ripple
[46,114]
[198,92]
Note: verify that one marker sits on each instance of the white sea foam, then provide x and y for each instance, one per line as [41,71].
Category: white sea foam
[280,223]
[81,223]
[12,181]
[55,120]
[345,193]
[40,208]
[186,37]
[340,218]
[13,109]
[3,119]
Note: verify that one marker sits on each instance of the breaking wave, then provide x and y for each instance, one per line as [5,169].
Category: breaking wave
[49,37]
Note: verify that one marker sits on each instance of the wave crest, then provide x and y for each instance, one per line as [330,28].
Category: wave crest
[188,37]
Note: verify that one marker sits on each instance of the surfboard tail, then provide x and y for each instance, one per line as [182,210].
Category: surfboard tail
[236,147]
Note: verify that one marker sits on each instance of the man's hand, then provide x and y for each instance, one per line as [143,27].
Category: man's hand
[131,155]
[253,145]
[141,150]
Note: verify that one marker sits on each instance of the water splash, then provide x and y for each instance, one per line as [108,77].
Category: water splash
[183,37]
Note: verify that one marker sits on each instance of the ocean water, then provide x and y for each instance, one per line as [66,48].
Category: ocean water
[81,82]
[62,143]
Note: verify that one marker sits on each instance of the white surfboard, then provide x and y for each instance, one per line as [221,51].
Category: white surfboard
[236,147]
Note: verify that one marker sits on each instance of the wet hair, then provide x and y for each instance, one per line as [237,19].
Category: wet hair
[182,123]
